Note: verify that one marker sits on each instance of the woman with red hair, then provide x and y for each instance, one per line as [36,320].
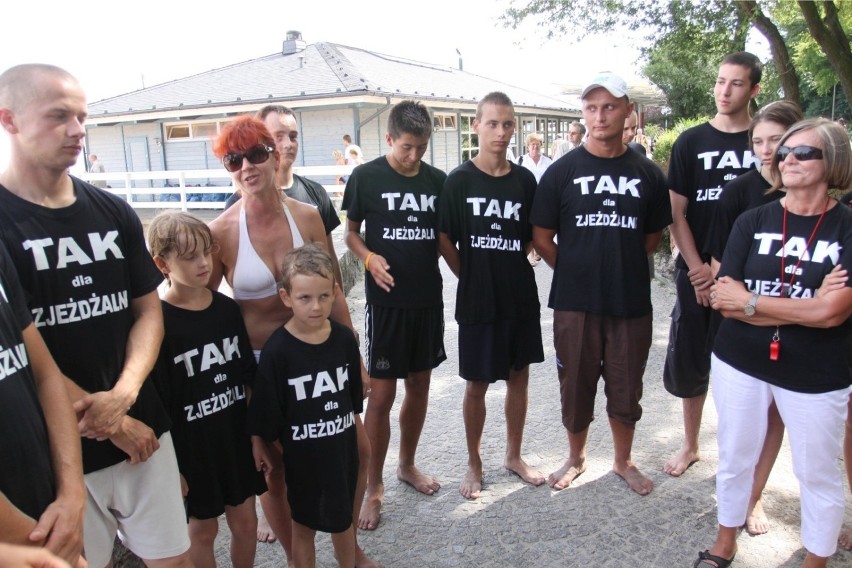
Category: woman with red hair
[253,238]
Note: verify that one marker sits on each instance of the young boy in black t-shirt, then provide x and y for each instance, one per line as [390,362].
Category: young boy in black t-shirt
[485,236]
[307,398]
[396,196]
[202,374]
[703,160]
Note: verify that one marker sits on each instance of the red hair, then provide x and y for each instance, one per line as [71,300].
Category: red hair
[240,134]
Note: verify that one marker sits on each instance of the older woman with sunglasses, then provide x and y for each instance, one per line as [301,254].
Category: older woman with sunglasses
[253,238]
[782,341]
[749,191]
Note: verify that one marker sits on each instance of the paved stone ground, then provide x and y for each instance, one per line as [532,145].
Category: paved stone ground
[596,522]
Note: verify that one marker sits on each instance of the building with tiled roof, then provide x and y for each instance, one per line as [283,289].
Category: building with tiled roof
[333,89]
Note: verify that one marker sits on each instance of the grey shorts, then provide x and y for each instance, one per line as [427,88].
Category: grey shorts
[142,502]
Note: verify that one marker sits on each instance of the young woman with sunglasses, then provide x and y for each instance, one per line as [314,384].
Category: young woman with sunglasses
[782,341]
[253,238]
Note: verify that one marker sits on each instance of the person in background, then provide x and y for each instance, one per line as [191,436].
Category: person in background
[353,156]
[340,160]
[97,167]
[560,147]
[537,163]
[348,147]
[631,127]
[576,133]
[534,160]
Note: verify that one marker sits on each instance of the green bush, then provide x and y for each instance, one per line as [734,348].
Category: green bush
[653,130]
[665,141]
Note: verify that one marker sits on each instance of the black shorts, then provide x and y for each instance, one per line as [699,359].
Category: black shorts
[488,351]
[400,341]
[219,469]
[687,370]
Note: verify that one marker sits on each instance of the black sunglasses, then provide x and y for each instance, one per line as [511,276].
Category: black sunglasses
[256,155]
[802,153]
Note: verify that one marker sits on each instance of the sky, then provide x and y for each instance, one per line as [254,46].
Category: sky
[114,47]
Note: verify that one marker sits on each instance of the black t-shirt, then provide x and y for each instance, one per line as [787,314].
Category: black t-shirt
[81,266]
[602,209]
[400,214]
[703,160]
[847,199]
[637,147]
[487,218]
[812,360]
[738,196]
[26,473]
[307,396]
[310,192]
[205,364]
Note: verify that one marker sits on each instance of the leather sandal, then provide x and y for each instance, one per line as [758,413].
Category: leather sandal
[705,559]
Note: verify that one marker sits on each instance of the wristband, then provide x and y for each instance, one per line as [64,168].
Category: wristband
[367,261]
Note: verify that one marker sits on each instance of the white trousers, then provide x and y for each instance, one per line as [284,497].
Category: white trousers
[815,424]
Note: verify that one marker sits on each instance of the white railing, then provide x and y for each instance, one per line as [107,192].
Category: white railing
[188,195]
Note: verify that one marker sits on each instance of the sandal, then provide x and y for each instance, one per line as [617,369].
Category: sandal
[718,561]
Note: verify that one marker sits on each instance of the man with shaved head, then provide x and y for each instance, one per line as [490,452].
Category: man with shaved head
[92,288]
[598,212]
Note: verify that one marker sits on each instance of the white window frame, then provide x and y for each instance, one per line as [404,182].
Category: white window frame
[444,121]
[192,126]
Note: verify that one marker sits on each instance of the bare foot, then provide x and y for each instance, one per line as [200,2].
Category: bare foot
[363,561]
[636,480]
[423,483]
[845,538]
[565,475]
[264,532]
[681,462]
[471,485]
[520,468]
[756,521]
[371,509]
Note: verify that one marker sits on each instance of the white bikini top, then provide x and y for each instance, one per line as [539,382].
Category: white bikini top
[252,278]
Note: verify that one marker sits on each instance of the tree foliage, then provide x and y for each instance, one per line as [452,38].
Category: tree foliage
[685,78]
[686,39]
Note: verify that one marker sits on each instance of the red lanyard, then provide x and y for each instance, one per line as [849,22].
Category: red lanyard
[785,288]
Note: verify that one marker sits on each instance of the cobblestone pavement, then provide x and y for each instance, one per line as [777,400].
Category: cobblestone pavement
[596,522]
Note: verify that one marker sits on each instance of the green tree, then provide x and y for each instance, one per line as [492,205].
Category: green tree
[684,61]
[823,21]
[805,37]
